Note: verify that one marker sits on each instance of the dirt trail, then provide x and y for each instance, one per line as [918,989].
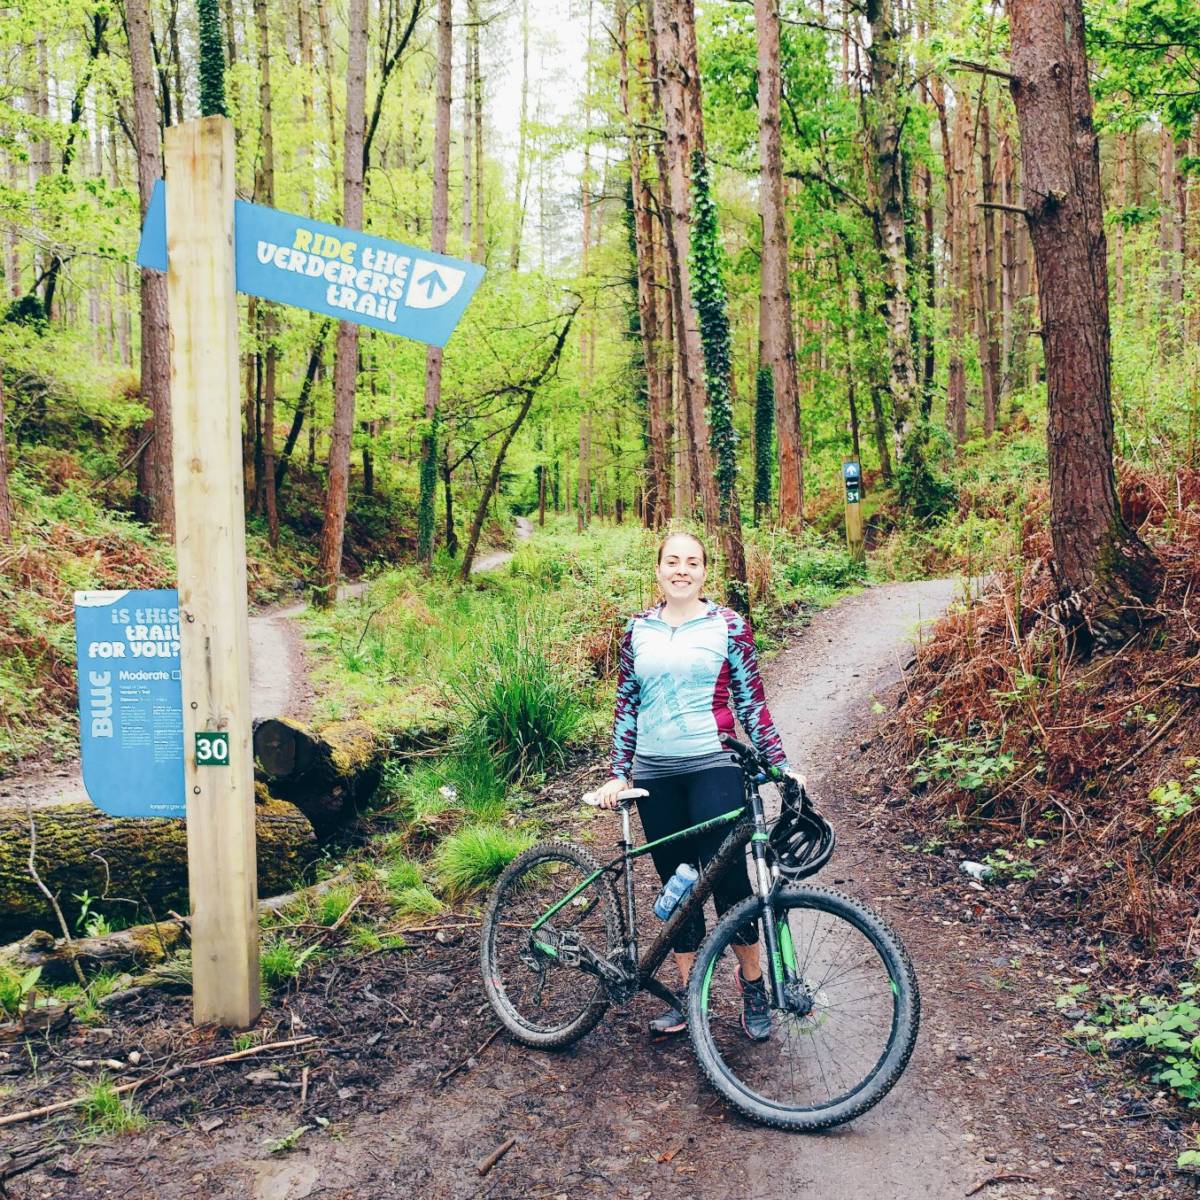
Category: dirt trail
[993,1104]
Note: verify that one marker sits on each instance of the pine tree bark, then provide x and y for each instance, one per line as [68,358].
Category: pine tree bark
[775,308]
[674,38]
[514,254]
[345,371]
[439,224]
[987,220]
[658,487]
[270,316]
[6,511]
[479,252]
[1105,573]
[885,131]
[156,481]
[952,156]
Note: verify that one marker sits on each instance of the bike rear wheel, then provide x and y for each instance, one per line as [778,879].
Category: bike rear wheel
[846,1031]
[532,977]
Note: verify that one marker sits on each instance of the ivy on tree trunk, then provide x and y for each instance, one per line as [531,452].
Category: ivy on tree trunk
[764,426]
[212,60]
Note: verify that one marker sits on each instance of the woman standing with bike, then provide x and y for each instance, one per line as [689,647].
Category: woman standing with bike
[687,666]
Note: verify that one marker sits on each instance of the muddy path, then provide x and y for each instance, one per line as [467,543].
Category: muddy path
[415,1090]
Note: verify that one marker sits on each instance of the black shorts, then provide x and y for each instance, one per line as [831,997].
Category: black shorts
[674,803]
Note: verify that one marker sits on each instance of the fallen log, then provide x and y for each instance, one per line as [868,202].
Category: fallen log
[326,772]
[81,849]
[130,949]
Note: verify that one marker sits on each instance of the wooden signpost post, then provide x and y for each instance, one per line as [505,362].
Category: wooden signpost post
[211,247]
[852,475]
[211,549]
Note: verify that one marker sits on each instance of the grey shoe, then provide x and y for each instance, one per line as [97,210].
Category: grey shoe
[672,1020]
[756,1009]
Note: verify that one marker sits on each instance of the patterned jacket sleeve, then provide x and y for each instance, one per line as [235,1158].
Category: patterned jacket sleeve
[625,716]
[746,686]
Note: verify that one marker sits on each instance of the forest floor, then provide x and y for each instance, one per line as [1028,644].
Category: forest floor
[407,1088]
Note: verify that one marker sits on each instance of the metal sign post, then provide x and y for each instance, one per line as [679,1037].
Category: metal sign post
[211,548]
[852,475]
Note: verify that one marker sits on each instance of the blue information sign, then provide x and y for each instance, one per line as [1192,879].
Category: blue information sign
[130,701]
[341,273]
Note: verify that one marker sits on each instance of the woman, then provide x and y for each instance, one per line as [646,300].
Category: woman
[682,665]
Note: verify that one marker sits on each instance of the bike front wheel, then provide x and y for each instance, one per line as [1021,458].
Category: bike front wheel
[532,970]
[846,1029]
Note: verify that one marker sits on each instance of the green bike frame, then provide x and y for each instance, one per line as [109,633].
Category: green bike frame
[748,824]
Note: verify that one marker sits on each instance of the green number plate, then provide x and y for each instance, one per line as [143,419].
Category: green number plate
[212,749]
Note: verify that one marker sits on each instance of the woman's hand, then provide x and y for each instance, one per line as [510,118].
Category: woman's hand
[606,796]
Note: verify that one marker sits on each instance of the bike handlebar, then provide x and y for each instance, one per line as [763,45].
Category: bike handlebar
[751,759]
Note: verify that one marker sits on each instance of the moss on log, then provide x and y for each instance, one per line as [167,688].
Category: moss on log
[325,772]
[145,860]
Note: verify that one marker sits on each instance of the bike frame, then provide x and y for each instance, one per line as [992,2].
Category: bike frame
[640,977]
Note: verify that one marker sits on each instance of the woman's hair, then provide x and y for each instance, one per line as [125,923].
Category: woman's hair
[691,538]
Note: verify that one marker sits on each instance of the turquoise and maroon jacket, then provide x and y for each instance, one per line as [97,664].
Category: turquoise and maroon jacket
[675,686]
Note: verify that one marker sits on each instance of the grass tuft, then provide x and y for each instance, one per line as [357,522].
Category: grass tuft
[105,1111]
[472,858]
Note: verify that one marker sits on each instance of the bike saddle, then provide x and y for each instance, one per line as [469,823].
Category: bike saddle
[625,799]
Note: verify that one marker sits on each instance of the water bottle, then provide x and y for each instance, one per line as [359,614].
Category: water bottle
[676,888]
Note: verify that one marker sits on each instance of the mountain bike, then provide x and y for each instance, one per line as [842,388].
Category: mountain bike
[559,945]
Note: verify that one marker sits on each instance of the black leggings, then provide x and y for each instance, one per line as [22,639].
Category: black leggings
[674,803]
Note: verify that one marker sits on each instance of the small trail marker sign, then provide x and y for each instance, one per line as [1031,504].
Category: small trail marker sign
[212,748]
[852,475]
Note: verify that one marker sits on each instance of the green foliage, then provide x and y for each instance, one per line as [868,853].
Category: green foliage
[1005,865]
[764,437]
[105,1111]
[15,986]
[972,765]
[212,60]
[281,961]
[472,858]
[331,905]
[707,263]
[1173,801]
[1162,1030]
[428,490]
[925,489]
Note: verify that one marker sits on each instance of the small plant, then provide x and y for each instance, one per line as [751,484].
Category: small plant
[417,901]
[243,1041]
[332,905]
[1173,801]
[105,1111]
[1005,865]
[15,986]
[1189,1160]
[90,921]
[472,858]
[280,961]
[970,766]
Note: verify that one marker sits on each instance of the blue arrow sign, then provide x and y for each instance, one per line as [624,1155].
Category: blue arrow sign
[130,701]
[341,273]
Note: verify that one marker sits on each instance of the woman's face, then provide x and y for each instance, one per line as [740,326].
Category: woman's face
[681,569]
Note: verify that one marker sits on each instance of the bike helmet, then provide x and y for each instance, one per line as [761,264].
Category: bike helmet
[802,840]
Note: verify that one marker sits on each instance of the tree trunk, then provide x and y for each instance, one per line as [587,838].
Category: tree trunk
[952,156]
[886,94]
[1120,199]
[304,403]
[468,131]
[1103,570]
[448,491]
[270,316]
[775,308]
[514,255]
[345,372]
[6,512]
[80,848]
[479,251]
[647,296]
[674,38]
[440,221]
[991,396]
[156,481]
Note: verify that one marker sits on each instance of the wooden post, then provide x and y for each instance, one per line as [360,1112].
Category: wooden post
[211,548]
[854,523]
